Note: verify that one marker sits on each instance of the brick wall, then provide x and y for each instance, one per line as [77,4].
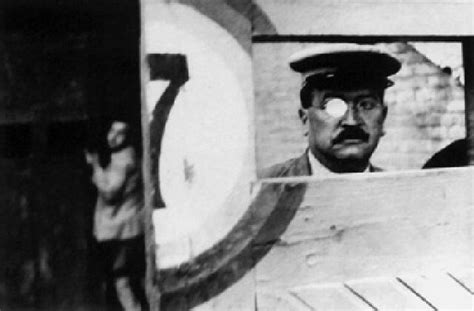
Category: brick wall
[426,108]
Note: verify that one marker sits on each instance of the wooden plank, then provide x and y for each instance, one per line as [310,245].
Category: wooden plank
[279,300]
[464,278]
[441,291]
[388,294]
[330,297]
[348,17]
[379,225]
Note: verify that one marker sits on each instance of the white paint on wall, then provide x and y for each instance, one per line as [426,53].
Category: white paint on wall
[206,145]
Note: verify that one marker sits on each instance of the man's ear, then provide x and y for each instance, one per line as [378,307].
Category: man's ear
[303,114]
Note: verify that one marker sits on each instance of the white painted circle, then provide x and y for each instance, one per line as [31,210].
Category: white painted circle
[206,140]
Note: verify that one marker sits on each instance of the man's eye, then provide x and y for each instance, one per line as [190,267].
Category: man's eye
[335,107]
[368,103]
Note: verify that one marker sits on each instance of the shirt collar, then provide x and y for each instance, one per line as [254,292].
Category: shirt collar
[317,169]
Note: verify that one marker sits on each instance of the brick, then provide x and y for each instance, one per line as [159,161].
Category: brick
[424,95]
[456,106]
[456,132]
[427,146]
[405,71]
[406,146]
[444,132]
[425,68]
[412,82]
[411,58]
[405,96]
[459,119]
[457,93]
[396,48]
[433,119]
[446,120]
[439,94]
[435,133]
[438,80]
[420,116]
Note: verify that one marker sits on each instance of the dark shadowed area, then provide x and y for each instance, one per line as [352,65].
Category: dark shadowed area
[62,65]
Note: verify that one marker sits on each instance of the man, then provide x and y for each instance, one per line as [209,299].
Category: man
[118,224]
[342,106]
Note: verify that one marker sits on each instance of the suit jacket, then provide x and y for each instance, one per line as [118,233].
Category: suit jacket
[297,167]
[272,209]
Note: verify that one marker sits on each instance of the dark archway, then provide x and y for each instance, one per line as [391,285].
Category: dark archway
[62,64]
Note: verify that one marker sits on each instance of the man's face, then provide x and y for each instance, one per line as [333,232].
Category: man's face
[345,125]
[117,135]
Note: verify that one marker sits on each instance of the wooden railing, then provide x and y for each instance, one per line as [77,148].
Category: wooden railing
[385,241]
[360,241]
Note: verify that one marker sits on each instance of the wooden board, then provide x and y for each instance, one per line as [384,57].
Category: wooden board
[365,237]
[440,291]
[387,293]
[358,242]
[369,17]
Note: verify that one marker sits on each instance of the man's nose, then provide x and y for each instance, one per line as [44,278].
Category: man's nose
[351,117]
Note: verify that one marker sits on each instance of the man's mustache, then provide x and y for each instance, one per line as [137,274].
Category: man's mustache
[352,133]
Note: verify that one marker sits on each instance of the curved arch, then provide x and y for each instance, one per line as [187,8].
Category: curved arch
[257,225]
[231,14]
[261,23]
[213,271]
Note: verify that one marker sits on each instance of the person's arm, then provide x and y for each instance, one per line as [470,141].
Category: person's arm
[110,180]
